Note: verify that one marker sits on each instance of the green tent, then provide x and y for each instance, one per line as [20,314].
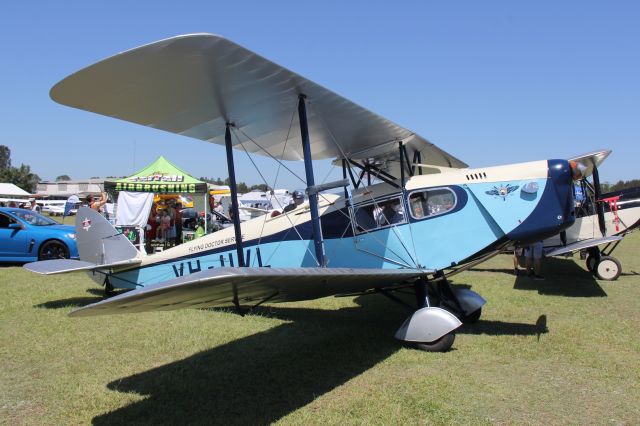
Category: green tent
[159,177]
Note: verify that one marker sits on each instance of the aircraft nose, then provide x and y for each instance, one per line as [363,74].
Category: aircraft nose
[561,176]
[555,209]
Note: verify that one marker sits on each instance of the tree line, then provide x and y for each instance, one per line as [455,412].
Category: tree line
[612,187]
[21,176]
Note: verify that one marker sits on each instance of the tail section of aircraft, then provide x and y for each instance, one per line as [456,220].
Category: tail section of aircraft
[100,246]
[98,241]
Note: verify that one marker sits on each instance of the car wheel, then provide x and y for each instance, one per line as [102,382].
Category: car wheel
[53,250]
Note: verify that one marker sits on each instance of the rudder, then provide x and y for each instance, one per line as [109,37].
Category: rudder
[98,241]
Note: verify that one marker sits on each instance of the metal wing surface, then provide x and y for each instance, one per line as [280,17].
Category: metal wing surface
[581,245]
[215,287]
[590,160]
[193,85]
[62,266]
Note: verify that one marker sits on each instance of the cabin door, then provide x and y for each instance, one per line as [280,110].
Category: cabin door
[378,227]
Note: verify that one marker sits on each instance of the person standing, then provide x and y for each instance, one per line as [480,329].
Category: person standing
[517,254]
[152,224]
[171,212]
[96,203]
[165,226]
[534,260]
[178,222]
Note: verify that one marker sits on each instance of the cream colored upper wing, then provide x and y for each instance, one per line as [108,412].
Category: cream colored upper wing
[193,85]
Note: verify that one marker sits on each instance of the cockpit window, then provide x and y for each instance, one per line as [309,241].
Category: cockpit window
[378,214]
[431,202]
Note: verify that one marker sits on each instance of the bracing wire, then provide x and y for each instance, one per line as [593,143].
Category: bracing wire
[275,180]
[286,215]
[284,148]
[397,234]
[272,157]
[335,141]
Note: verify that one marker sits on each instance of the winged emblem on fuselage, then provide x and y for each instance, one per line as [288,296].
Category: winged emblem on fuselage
[502,191]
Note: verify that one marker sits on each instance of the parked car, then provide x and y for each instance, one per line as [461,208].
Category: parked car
[27,236]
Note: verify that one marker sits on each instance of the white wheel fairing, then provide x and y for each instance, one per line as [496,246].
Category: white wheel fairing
[427,325]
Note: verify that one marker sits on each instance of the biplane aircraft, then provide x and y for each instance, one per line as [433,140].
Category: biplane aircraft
[414,216]
[601,220]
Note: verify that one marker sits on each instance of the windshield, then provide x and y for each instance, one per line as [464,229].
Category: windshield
[257,204]
[33,218]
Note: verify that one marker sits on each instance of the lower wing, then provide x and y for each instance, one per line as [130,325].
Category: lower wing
[223,286]
[581,245]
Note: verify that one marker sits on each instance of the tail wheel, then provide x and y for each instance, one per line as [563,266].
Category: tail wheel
[608,268]
[53,250]
[443,344]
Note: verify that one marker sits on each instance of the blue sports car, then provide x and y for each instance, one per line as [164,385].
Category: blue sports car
[27,236]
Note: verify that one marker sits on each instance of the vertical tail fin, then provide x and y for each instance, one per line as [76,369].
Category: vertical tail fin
[98,241]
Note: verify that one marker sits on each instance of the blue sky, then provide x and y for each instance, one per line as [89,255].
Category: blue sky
[490,82]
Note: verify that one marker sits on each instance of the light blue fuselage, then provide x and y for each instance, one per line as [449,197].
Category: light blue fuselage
[485,215]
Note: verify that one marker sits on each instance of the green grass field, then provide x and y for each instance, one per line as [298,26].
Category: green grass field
[561,351]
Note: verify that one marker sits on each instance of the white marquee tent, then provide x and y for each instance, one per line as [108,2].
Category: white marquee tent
[9,190]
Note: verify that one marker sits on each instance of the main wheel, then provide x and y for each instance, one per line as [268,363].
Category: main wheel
[53,250]
[443,344]
[608,268]
[473,317]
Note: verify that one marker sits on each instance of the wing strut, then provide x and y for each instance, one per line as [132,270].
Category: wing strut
[598,204]
[234,207]
[234,194]
[308,168]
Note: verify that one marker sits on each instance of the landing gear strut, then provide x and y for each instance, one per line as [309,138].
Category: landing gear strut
[593,257]
[109,290]
[432,328]
[463,303]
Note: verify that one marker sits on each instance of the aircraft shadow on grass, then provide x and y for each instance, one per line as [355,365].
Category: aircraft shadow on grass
[76,302]
[563,277]
[261,378]
[73,302]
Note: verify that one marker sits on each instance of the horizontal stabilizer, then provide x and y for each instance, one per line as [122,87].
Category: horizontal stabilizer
[216,287]
[61,266]
[581,245]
